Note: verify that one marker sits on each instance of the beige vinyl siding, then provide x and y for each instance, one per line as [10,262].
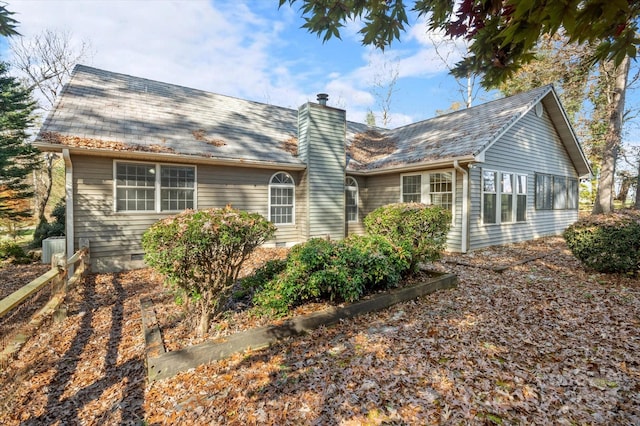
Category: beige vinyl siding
[531,146]
[115,237]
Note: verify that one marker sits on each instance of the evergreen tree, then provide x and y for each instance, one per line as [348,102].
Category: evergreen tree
[18,158]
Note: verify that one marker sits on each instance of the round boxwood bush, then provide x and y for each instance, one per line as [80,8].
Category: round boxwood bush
[337,271]
[419,228]
[607,243]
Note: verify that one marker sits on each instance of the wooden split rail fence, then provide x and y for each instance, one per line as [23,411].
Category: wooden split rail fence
[63,276]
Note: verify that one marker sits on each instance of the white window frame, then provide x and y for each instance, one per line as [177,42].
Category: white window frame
[157,186]
[356,190]
[498,193]
[425,184]
[291,185]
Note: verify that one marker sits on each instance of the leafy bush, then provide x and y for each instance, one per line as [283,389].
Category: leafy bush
[341,271]
[10,250]
[46,229]
[607,243]
[202,252]
[418,228]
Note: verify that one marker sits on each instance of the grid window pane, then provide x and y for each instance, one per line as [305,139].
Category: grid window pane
[441,190]
[176,199]
[135,199]
[351,199]
[135,187]
[281,198]
[489,181]
[177,185]
[506,208]
[136,175]
[412,189]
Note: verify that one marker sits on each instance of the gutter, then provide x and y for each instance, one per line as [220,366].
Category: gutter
[464,247]
[415,167]
[68,192]
[166,157]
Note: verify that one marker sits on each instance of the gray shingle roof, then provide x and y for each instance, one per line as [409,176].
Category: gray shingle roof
[102,109]
[98,107]
[462,133]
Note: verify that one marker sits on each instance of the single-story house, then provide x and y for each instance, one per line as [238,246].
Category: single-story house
[138,150]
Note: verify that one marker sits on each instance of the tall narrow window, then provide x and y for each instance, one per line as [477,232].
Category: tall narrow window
[176,188]
[521,201]
[351,199]
[441,189]
[489,196]
[412,189]
[281,199]
[544,192]
[506,198]
[573,189]
[559,193]
[135,187]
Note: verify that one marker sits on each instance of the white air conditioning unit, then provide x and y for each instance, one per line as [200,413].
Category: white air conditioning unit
[51,246]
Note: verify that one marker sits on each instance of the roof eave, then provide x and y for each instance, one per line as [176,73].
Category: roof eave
[423,165]
[170,157]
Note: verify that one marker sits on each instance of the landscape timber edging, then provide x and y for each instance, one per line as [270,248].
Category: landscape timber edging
[162,364]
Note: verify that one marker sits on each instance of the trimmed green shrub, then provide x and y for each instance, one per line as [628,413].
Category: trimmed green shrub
[607,243]
[419,228]
[46,229]
[201,253]
[14,252]
[340,271]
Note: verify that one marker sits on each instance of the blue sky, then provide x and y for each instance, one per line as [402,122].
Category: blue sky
[253,50]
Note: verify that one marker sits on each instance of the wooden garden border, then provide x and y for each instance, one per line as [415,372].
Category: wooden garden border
[162,364]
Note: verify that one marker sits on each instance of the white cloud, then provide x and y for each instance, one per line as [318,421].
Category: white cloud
[221,48]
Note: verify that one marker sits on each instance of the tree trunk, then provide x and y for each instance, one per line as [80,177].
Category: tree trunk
[205,318]
[636,205]
[43,181]
[615,111]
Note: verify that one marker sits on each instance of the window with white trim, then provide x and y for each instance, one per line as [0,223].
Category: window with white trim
[281,199]
[556,192]
[143,187]
[436,188]
[504,197]
[351,199]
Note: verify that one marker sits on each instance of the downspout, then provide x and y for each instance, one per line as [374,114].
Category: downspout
[68,192]
[464,247]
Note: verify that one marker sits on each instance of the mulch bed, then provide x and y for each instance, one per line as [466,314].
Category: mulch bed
[544,342]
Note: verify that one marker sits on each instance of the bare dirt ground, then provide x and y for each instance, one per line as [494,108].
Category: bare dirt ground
[544,342]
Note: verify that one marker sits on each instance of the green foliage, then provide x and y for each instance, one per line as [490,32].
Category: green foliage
[18,158]
[503,36]
[56,228]
[418,228]
[10,250]
[607,243]
[340,271]
[202,252]
[7,23]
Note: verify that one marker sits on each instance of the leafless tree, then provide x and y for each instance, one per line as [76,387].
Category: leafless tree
[45,63]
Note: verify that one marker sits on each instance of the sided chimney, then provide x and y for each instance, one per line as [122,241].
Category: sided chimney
[323,98]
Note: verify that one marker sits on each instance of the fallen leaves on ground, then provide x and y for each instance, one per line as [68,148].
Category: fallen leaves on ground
[544,342]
